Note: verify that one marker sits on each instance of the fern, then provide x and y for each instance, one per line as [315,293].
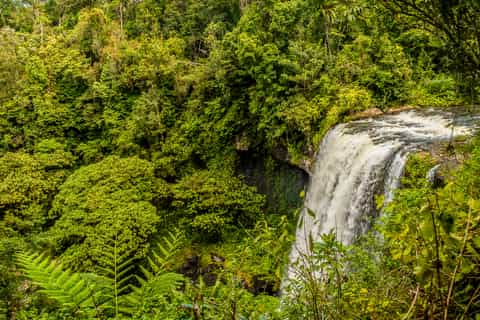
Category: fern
[117,268]
[162,253]
[156,277]
[156,287]
[71,290]
[114,292]
[156,280]
[3,310]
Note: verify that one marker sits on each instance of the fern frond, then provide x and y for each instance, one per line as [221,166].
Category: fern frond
[162,252]
[147,274]
[154,288]
[3,310]
[156,281]
[117,266]
[69,289]
[165,283]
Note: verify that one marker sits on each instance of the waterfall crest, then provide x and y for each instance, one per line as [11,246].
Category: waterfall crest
[359,160]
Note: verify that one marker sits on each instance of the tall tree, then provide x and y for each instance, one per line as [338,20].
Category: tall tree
[457,21]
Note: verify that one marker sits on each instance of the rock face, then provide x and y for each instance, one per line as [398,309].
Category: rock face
[262,286]
[281,154]
[369,113]
[447,157]
[375,112]
[434,178]
[246,146]
[398,109]
[280,182]
[193,268]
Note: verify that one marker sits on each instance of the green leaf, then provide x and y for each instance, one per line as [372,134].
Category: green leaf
[311,213]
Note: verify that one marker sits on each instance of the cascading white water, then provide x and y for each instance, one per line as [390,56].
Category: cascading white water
[359,160]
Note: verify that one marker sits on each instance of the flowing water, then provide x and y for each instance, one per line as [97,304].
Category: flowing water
[361,159]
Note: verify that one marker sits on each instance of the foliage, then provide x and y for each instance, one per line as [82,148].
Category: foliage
[103,205]
[88,295]
[443,17]
[180,80]
[348,282]
[11,298]
[228,300]
[28,184]
[72,291]
[436,235]
[3,310]
[210,203]
[262,255]
[122,118]
[378,65]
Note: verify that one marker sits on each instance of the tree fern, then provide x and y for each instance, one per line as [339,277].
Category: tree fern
[3,310]
[113,293]
[162,252]
[72,291]
[117,268]
[156,280]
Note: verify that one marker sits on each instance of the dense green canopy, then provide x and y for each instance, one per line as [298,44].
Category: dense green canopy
[123,120]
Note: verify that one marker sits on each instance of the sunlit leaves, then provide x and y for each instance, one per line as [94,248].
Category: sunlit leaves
[433,232]
[28,185]
[111,198]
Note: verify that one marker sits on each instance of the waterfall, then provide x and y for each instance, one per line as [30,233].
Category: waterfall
[359,160]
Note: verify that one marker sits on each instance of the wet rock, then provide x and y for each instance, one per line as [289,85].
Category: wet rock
[369,113]
[280,182]
[434,178]
[263,286]
[209,274]
[398,109]
[191,267]
[305,163]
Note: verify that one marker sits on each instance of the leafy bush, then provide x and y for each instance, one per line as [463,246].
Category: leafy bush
[434,235]
[210,203]
[109,200]
[28,183]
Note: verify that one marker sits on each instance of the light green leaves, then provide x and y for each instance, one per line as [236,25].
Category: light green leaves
[111,198]
[70,290]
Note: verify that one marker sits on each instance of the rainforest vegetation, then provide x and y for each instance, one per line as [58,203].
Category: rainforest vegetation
[153,157]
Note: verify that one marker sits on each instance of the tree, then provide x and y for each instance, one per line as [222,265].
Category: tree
[456,21]
[208,203]
[104,202]
[28,183]
[11,69]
